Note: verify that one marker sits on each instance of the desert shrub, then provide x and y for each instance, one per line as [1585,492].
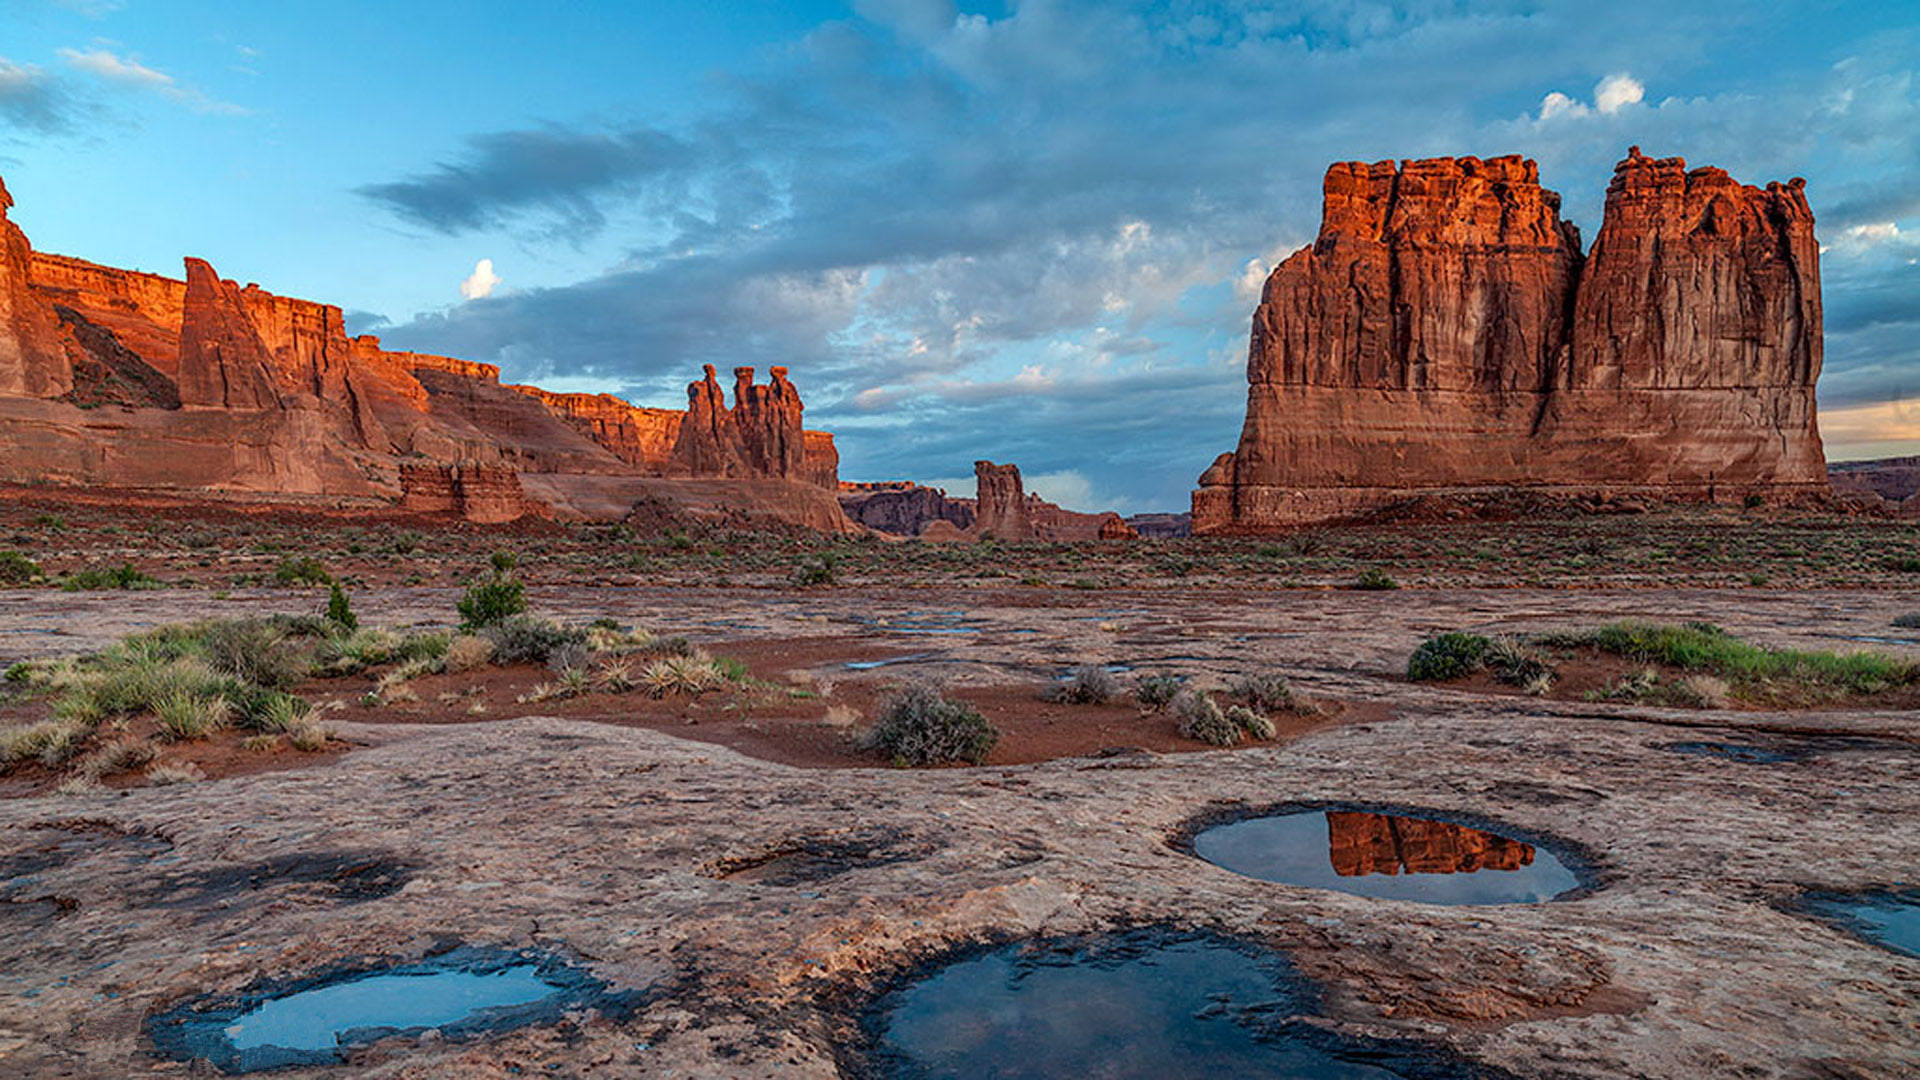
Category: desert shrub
[1155,691]
[302,570]
[121,755]
[1448,656]
[1909,621]
[49,742]
[466,652]
[731,669]
[1090,684]
[426,647]
[254,651]
[17,569]
[523,639]
[166,773]
[1905,564]
[816,572]
[183,716]
[492,601]
[919,725]
[347,654]
[1374,579]
[309,736]
[1254,724]
[340,609]
[1198,716]
[567,656]
[1516,664]
[95,579]
[503,562]
[616,675]
[694,674]
[1266,694]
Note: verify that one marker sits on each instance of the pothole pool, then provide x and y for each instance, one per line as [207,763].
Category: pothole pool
[1388,856]
[1141,1004]
[316,1021]
[1889,918]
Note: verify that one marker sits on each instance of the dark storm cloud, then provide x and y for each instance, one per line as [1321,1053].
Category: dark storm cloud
[32,100]
[914,207]
[553,169]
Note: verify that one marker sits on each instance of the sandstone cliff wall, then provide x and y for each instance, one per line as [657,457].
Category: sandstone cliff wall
[1445,332]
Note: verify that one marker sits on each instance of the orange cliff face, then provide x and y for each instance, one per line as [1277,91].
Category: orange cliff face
[1445,332]
[120,378]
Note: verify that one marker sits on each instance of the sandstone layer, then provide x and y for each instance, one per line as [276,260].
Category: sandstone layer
[114,378]
[1445,332]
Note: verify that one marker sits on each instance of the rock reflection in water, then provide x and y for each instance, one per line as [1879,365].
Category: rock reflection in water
[1388,856]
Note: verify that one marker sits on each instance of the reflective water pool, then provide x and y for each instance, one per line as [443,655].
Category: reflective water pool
[1889,918]
[1124,1008]
[1389,856]
[1752,755]
[316,1021]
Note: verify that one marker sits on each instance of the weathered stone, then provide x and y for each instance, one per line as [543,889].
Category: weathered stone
[32,361]
[903,508]
[223,362]
[1423,343]
[475,490]
[1001,502]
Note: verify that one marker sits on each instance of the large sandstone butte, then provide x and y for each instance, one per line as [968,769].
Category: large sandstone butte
[1445,334]
[1003,510]
[196,385]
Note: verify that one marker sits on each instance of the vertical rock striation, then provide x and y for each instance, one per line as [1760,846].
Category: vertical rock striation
[1000,502]
[1444,332]
[33,362]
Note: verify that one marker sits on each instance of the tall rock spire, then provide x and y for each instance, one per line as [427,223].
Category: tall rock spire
[33,363]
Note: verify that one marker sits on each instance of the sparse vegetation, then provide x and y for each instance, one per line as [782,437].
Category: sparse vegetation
[1090,684]
[1255,725]
[494,599]
[1448,656]
[16,569]
[919,725]
[1198,716]
[1780,676]
[1374,579]
[340,609]
[1156,691]
[96,579]
[523,639]
[1267,693]
[302,570]
[1909,621]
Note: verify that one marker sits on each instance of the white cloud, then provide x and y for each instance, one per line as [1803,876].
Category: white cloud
[1860,238]
[1617,91]
[93,9]
[108,67]
[481,282]
[1610,95]
[105,65]
[1066,488]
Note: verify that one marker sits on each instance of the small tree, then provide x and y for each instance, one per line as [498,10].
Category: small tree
[340,610]
[491,600]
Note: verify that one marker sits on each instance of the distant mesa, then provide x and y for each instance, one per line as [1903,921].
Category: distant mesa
[1446,335]
[1003,510]
[116,378]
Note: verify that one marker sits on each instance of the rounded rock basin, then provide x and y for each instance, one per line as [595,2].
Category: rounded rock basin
[317,1020]
[1131,1006]
[1889,918]
[1388,857]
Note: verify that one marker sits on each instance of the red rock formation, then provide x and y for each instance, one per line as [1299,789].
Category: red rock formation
[903,508]
[1361,843]
[1423,343]
[638,436]
[1001,503]
[33,362]
[219,387]
[223,362]
[1114,528]
[709,442]
[475,490]
[761,436]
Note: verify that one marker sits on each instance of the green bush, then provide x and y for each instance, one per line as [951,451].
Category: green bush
[254,651]
[1909,621]
[523,639]
[340,609]
[302,570]
[1266,693]
[1090,684]
[94,579]
[489,602]
[920,726]
[1905,564]
[17,569]
[1449,656]
[1198,716]
[1155,691]
[1374,579]
[816,572]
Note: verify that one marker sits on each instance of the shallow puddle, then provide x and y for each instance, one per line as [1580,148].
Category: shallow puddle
[869,665]
[1124,1007]
[315,1022]
[1890,918]
[1387,856]
[1752,755]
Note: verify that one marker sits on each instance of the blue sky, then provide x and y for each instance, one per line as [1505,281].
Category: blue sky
[1026,231]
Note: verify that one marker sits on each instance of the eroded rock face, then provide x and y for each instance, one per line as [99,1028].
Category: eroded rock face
[903,508]
[476,490]
[1444,331]
[215,386]
[1000,502]
[32,360]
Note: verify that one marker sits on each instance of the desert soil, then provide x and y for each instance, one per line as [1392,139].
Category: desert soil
[621,835]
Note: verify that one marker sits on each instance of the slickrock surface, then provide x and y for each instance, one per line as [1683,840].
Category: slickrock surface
[123,379]
[1445,332]
[757,904]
